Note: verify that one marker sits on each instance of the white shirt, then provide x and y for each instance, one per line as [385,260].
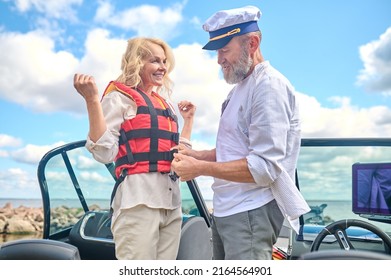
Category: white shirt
[261,123]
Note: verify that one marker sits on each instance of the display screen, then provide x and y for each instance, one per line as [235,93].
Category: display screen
[371,188]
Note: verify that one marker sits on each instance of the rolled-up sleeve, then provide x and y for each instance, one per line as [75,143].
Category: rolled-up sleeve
[104,150]
[185,142]
[268,131]
[116,108]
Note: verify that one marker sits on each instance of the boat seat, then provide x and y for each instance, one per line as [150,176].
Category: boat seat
[195,243]
[38,249]
[92,236]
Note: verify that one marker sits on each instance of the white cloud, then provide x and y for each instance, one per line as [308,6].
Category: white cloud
[53,176]
[376,56]
[95,177]
[4,154]
[41,76]
[196,22]
[84,162]
[145,20]
[9,141]
[344,120]
[102,57]
[32,154]
[60,9]
[26,183]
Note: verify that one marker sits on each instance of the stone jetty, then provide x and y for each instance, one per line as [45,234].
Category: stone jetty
[23,219]
[20,220]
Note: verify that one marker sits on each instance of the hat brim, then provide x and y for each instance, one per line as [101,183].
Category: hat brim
[217,44]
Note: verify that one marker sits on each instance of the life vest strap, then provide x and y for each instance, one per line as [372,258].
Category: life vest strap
[129,154]
[160,112]
[148,133]
[145,156]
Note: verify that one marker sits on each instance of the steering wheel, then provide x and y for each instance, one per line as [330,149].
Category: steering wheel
[338,230]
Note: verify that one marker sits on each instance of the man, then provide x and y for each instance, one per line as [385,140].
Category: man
[257,145]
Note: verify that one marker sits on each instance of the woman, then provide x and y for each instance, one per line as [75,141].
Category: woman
[136,127]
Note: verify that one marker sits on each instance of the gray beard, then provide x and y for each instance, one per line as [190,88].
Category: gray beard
[239,69]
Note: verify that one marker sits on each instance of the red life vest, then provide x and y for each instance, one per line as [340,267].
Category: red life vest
[146,140]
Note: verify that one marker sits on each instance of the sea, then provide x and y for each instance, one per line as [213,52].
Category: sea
[16,202]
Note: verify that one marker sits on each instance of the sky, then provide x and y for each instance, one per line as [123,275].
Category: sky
[337,54]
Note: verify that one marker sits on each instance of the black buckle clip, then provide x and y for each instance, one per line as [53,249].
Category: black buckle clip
[173,176]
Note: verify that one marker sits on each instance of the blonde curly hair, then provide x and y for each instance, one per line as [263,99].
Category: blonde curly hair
[138,49]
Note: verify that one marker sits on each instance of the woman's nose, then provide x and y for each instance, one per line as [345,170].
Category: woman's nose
[163,66]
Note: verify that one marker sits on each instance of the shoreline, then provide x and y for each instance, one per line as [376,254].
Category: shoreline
[21,202]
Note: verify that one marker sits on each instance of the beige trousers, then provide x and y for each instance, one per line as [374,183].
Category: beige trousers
[142,233]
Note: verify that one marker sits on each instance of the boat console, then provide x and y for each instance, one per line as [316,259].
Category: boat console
[371,190]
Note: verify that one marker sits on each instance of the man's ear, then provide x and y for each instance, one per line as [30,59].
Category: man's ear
[254,43]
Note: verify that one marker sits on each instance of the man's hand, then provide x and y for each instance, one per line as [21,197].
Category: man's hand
[186,167]
[183,149]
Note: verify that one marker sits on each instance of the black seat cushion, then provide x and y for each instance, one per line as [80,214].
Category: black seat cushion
[38,249]
[92,236]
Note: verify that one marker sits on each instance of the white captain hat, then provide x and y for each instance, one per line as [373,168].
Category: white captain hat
[226,24]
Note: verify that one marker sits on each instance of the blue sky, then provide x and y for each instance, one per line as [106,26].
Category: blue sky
[337,54]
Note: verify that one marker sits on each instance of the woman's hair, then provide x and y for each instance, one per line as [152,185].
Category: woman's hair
[132,62]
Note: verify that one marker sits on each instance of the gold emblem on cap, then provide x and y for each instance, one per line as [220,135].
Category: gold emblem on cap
[229,33]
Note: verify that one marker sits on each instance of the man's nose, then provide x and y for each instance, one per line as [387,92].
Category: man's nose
[220,57]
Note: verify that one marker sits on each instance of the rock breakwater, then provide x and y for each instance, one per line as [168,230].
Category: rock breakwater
[22,220]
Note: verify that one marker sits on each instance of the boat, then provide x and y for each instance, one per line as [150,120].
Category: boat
[76,194]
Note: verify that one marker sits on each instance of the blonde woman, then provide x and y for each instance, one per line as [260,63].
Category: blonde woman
[134,126]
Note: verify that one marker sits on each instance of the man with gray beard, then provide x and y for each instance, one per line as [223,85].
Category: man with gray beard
[257,144]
